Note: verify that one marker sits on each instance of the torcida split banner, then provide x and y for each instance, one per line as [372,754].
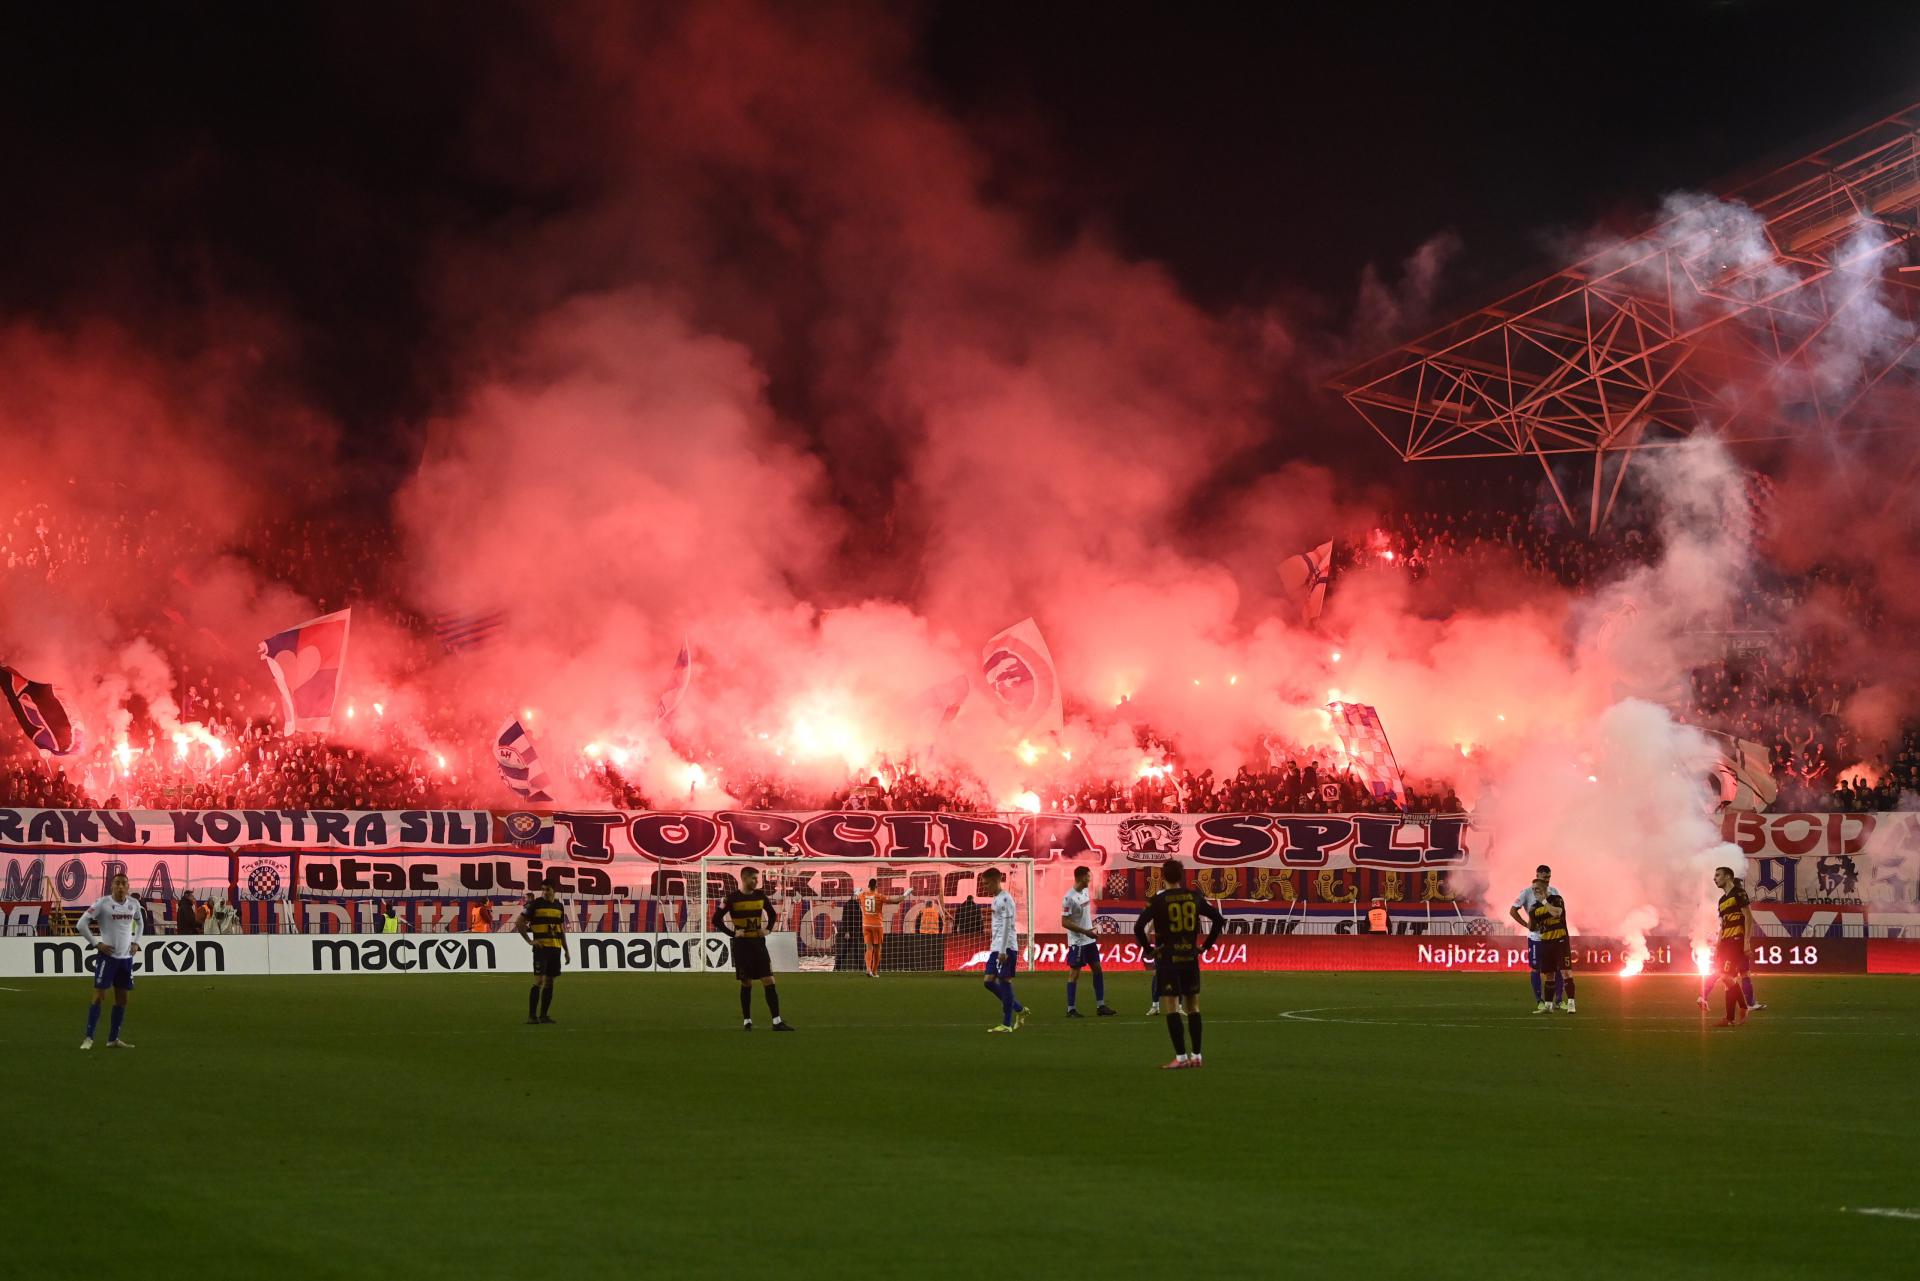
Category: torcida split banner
[260,856]
[608,836]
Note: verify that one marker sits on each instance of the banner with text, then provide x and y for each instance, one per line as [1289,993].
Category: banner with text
[265,855]
[609,836]
[1830,860]
[387,954]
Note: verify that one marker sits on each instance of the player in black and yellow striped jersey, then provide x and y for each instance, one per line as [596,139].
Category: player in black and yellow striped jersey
[1712,975]
[543,924]
[744,916]
[1553,954]
[1733,953]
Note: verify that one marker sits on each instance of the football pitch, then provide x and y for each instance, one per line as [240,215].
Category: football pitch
[1344,1125]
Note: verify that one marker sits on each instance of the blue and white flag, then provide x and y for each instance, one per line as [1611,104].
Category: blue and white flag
[520,766]
[458,632]
[41,715]
[306,662]
[682,677]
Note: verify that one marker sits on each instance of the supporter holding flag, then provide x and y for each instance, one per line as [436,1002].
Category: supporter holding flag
[1306,576]
[41,715]
[306,662]
[520,766]
[460,632]
[1364,739]
[682,677]
[934,709]
[1020,676]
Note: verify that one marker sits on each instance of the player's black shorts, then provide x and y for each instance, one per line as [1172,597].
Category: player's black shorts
[1731,957]
[546,962]
[751,959]
[1550,956]
[1178,978]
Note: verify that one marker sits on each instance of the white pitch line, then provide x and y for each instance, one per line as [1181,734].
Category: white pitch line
[1881,1211]
[1358,1016]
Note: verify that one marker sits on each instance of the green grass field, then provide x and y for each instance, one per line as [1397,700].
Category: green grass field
[1396,1126]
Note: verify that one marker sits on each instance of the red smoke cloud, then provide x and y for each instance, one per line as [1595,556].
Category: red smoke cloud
[757,358]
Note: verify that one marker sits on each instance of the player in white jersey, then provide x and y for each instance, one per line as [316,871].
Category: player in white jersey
[1520,911]
[117,942]
[1003,952]
[1083,951]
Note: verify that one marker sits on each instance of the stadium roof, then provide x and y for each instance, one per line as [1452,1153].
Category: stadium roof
[1799,315]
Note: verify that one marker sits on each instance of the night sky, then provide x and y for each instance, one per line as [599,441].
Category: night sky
[308,159]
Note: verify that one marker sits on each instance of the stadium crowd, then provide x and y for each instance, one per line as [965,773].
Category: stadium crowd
[1752,680]
[1752,677]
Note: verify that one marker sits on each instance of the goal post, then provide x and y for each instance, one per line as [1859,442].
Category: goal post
[933,916]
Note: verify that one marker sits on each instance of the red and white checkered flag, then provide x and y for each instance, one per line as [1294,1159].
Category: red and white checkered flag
[1365,742]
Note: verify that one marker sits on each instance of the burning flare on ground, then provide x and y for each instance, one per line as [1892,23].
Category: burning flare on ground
[1635,928]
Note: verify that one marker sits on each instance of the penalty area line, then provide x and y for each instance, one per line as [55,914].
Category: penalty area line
[1880,1211]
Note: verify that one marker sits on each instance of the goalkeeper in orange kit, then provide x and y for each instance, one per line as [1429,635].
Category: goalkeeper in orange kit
[873,924]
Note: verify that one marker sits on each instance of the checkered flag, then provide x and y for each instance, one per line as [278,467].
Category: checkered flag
[1365,742]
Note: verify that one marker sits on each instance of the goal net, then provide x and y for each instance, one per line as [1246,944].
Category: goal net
[932,913]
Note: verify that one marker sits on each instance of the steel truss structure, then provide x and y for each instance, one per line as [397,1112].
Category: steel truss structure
[1786,306]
